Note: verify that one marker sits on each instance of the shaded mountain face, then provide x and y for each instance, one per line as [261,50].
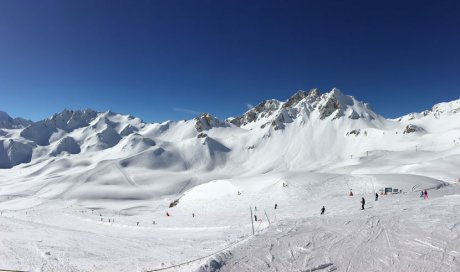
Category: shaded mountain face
[8,122]
[308,129]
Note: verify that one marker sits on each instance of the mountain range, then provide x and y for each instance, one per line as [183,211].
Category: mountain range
[309,131]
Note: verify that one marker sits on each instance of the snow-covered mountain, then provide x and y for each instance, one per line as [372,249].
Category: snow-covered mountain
[7,121]
[65,177]
[307,131]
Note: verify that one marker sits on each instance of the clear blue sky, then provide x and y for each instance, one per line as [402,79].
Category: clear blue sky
[162,60]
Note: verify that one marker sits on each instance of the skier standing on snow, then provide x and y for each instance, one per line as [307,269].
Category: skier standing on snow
[362,203]
[376,196]
[323,210]
[276,206]
[421,193]
[426,195]
[255,218]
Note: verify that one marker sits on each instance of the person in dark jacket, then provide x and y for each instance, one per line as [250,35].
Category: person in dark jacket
[363,201]
[376,196]
[323,210]
[276,206]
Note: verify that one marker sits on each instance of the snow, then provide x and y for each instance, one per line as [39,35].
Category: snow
[68,175]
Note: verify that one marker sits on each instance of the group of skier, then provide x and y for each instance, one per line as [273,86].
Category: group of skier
[423,194]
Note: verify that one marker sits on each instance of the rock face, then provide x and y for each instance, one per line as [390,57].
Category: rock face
[13,153]
[127,130]
[332,105]
[355,132]
[8,122]
[67,144]
[206,121]
[108,138]
[262,110]
[329,106]
[412,128]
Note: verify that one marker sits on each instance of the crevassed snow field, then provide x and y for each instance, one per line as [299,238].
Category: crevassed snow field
[65,177]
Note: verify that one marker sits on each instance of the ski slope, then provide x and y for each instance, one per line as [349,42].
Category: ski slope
[398,232]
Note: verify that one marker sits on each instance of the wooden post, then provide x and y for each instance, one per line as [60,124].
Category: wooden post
[252,222]
[267,218]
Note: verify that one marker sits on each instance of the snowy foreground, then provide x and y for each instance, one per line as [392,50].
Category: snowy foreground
[400,232]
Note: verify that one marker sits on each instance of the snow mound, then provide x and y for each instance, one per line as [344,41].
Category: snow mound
[107,138]
[136,143]
[127,130]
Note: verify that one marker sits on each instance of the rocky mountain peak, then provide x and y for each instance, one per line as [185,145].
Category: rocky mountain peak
[8,122]
[206,121]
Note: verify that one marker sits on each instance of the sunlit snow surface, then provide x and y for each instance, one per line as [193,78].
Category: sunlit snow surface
[55,210]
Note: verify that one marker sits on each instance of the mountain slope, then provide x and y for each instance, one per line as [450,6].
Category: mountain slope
[309,131]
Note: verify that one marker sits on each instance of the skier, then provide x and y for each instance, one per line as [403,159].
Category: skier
[255,217]
[421,193]
[323,210]
[376,196]
[167,213]
[138,223]
[362,203]
[153,222]
[351,193]
[193,215]
[425,195]
[276,206]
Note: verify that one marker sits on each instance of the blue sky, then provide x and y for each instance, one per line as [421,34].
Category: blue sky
[168,59]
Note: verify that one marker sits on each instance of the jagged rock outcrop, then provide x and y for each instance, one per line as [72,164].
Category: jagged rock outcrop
[262,110]
[412,128]
[355,132]
[13,153]
[206,121]
[66,144]
[108,138]
[8,122]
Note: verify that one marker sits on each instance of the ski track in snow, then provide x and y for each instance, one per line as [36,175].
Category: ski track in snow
[398,232]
